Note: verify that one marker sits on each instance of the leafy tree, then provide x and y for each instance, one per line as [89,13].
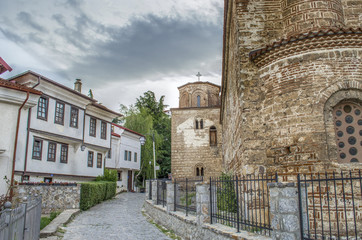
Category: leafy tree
[148,118]
[90,93]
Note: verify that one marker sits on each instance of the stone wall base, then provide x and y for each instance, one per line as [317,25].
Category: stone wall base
[187,228]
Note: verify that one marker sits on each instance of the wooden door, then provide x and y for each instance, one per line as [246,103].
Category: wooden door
[130,181]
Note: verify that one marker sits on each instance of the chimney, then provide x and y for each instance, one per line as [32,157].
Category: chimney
[78,85]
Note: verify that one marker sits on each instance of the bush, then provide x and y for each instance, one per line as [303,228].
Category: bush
[44,221]
[226,195]
[92,193]
[110,175]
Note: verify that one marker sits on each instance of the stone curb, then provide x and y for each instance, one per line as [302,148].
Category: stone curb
[65,217]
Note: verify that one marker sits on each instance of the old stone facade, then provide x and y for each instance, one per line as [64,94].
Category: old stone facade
[54,198]
[292,86]
[196,132]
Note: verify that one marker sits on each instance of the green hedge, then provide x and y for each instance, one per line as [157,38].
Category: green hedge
[92,193]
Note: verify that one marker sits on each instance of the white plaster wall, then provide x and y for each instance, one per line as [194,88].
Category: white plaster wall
[97,139]
[77,160]
[8,117]
[10,101]
[130,143]
[49,125]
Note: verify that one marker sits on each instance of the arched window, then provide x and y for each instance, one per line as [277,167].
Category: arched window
[197,124]
[197,172]
[201,124]
[202,171]
[198,101]
[213,136]
[347,118]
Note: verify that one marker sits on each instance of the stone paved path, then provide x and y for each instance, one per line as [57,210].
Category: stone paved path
[120,218]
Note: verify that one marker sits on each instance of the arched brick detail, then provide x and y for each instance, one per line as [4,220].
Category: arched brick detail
[341,92]
[184,100]
[203,98]
[327,93]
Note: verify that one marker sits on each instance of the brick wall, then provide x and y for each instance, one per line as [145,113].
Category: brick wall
[277,100]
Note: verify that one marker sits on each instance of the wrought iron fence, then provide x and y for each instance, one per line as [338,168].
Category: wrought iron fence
[162,191]
[331,205]
[242,203]
[149,190]
[22,222]
[185,194]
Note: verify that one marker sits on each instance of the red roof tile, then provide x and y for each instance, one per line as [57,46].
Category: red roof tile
[116,135]
[129,130]
[11,85]
[4,66]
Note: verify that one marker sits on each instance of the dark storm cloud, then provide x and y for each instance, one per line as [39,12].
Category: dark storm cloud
[12,36]
[76,35]
[151,47]
[27,19]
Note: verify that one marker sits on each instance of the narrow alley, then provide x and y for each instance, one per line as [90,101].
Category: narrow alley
[119,218]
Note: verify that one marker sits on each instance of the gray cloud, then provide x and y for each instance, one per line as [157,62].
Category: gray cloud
[150,47]
[27,19]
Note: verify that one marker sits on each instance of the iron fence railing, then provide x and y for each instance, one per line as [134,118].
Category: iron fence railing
[150,190]
[162,191]
[241,202]
[22,222]
[330,205]
[185,194]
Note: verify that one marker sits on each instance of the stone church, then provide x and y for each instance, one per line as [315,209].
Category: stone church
[292,86]
[196,137]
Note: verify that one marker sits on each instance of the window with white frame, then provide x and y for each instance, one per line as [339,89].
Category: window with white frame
[103,130]
[52,149]
[135,157]
[90,158]
[43,108]
[64,153]
[37,149]
[99,160]
[125,155]
[74,113]
[129,155]
[59,113]
[92,127]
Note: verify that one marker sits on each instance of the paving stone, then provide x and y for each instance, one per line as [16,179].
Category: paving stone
[119,218]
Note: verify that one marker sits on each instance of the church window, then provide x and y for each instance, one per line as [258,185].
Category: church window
[199,171]
[201,124]
[213,136]
[348,127]
[197,124]
[198,101]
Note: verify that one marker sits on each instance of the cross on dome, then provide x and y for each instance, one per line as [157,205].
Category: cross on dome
[198,75]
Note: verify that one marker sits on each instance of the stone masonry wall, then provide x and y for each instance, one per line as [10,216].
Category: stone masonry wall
[54,198]
[249,26]
[276,107]
[190,147]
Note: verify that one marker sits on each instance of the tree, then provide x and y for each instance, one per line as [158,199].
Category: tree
[90,93]
[147,117]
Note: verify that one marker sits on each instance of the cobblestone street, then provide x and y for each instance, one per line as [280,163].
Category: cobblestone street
[119,218]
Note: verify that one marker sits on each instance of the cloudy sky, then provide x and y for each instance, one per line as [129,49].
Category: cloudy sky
[119,48]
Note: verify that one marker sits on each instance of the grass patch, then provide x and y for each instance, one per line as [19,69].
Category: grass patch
[44,221]
[171,234]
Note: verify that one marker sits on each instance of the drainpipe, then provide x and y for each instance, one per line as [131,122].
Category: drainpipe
[27,145]
[15,145]
[27,135]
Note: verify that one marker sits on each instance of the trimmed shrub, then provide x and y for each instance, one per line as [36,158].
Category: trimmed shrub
[110,175]
[92,193]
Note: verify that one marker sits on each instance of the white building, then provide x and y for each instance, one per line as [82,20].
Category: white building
[125,155]
[65,137]
[15,101]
